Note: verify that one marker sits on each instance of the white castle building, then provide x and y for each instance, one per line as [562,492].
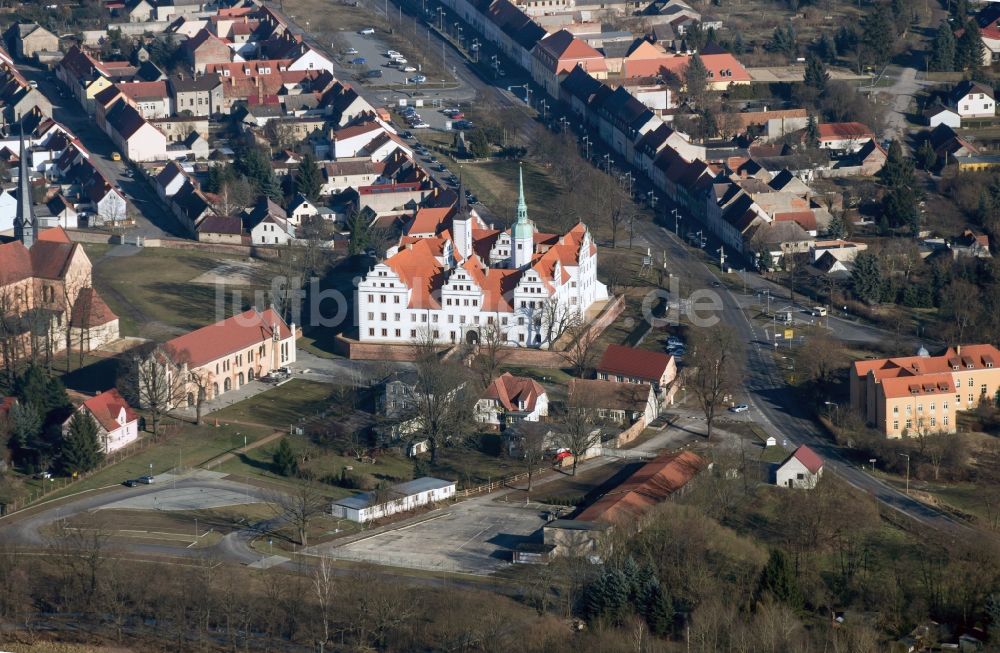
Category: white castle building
[451,276]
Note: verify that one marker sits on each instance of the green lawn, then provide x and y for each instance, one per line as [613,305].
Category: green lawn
[189,446]
[282,405]
[152,294]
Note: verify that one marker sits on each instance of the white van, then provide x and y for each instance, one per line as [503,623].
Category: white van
[819,311]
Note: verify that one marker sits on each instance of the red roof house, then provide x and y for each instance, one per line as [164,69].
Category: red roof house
[117,423]
[631,365]
[510,399]
[800,470]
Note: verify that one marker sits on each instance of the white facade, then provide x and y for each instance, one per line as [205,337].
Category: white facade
[945,117]
[8,210]
[311,60]
[270,232]
[976,105]
[111,208]
[426,288]
[794,474]
[403,497]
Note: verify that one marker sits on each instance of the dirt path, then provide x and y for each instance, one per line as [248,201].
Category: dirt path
[226,457]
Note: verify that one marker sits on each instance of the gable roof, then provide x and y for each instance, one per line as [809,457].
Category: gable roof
[226,337]
[513,391]
[653,483]
[807,457]
[968,86]
[633,362]
[90,310]
[107,406]
[843,131]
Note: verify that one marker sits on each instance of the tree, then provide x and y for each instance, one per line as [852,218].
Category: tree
[299,507]
[573,426]
[324,588]
[442,401]
[812,133]
[81,451]
[926,155]
[783,41]
[581,352]
[778,580]
[308,179]
[283,460]
[816,76]
[532,441]
[658,609]
[969,48]
[696,79]
[149,377]
[479,145]
[837,228]
[490,352]
[866,277]
[716,365]
[25,425]
[942,56]
[878,37]
[961,307]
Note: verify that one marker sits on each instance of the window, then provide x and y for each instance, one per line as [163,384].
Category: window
[944,406]
[933,421]
[982,389]
[932,406]
[920,408]
[895,425]
[972,398]
[895,410]
[958,399]
[972,383]
[909,423]
[944,420]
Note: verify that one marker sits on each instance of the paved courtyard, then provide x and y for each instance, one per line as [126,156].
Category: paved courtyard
[474,537]
[190,498]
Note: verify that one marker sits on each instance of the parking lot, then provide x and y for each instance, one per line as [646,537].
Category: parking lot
[474,537]
[373,52]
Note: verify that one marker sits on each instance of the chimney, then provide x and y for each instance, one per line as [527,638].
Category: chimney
[958,350]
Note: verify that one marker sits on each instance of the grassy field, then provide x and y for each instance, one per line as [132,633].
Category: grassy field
[183,444]
[152,294]
[282,405]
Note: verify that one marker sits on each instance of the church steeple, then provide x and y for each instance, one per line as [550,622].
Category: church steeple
[523,232]
[25,222]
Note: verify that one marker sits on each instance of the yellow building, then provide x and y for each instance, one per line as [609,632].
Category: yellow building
[910,395]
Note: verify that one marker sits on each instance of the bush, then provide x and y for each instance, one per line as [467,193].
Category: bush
[491,444]
[353,480]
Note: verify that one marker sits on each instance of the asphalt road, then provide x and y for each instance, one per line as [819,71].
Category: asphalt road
[152,218]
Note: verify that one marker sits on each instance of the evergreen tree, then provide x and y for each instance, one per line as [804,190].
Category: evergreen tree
[308,179]
[695,79]
[926,155]
[901,210]
[812,133]
[898,169]
[659,609]
[783,41]
[283,459]
[866,277]
[25,425]
[826,48]
[46,395]
[479,144]
[253,163]
[81,451]
[837,228]
[778,580]
[878,36]
[942,57]
[902,14]
[969,48]
[816,76]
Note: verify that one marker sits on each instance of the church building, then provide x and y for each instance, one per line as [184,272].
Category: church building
[451,276]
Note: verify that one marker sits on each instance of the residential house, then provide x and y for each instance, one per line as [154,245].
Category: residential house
[18,98]
[220,229]
[844,136]
[201,95]
[842,250]
[622,403]
[190,206]
[402,497]
[223,356]
[988,19]
[558,54]
[971,244]
[84,75]
[267,223]
[173,9]
[801,470]
[921,394]
[117,424]
[346,173]
[723,68]
[205,48]
[63,211]
[511,399]
[140,11]
[30,39]
[151,99]
[8,209]
[949,146]
[631,365]
[301,208]
[169,180]
[136,138]
[973,100]
[939,114]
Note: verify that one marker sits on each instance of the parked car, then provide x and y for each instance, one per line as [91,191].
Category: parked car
[359,61]
[739,408]
[148,480]
[129,482]
[392,53]
[43,476]
[473,199]
[350,51]
[115,156]
[418,79]
[400,62]
[33,84]
[458,115]
[408,69]
[373,74]
[420,125]
[368,31]
[406,134]
[462,124]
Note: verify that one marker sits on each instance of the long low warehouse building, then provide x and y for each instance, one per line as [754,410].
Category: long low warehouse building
[367,506]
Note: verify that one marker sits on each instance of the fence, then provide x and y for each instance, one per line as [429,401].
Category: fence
[498,484]
[51,486]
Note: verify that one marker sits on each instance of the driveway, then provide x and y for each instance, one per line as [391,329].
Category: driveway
[902,93]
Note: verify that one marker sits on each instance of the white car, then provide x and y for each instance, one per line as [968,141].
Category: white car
[392,54]
[417,79]
[408,69]
[420,125]
[739,408]
[368,31]
[399,63]
[350,51]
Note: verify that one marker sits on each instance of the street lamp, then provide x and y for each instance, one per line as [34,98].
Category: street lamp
[628,175]
[652,199]
[871,461]
[586,143]
[907,456]
[607,161]
[563,123]
[677,218]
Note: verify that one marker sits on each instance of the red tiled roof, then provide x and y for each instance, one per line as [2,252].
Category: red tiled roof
[226,337]
[90,310]
[54,235]
[107,406]
[632,362]
[649,486]
[49,259]
[809,458]
[511,391]
[914,386]
[842,131]
[805,219]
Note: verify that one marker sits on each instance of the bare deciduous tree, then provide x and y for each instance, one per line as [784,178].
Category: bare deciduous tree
[573,426]
[150,377]
[324,588]
[581,351]
[490,352]
[442,396]
[715,370]
[299,507]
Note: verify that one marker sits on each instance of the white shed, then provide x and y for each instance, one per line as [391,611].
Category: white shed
[801,470]
[399,498]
